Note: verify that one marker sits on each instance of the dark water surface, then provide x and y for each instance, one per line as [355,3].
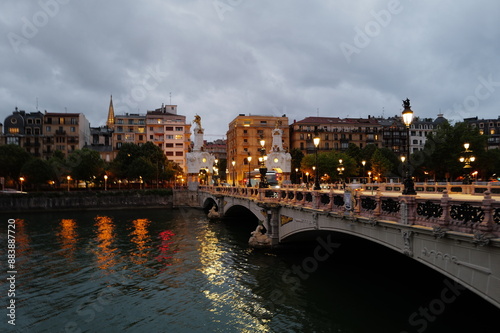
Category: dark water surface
[173,271]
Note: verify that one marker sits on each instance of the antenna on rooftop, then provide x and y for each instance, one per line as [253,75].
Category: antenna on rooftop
[37,103]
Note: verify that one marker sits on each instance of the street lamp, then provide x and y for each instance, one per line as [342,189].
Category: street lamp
[105,182]
[369,177]
[316,141]
[262,169]
[307,178]
[297,176]
[363,175]
[467,159]
[216,172]
[249,159]
[409,188]
[68,178]
[341,169]
[233,163]
[21,179]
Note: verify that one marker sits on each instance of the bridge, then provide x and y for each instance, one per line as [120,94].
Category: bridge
[451,228]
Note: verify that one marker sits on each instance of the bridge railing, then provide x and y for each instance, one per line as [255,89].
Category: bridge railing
[476,188]
[466,214]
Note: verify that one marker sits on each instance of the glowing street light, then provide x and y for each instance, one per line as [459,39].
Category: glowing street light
[105,182]
[316,141]
[233,163]
[409,188]
[21,179]
[68,178]
[249,159]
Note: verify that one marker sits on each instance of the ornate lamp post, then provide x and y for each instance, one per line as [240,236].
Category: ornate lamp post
[467,159]
[68,178]
[21,179]
[233,162]
[216,172]
[316,141]
[340,170]
[297,178]
[409,188]
[363,175]
[105,182]
[249,159]
[262,169]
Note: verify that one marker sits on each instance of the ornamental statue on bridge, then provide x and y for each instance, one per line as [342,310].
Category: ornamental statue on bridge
[279,159]
[199,162]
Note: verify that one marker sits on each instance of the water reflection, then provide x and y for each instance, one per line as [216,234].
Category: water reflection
[140,238]
[68,237]
[165,249]
[23,248]
[229,297]
[105,237]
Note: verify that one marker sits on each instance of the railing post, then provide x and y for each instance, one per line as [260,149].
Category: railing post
[487,224]
[378,200]
[444,220]
[330,204]
[357,202]
[316,198]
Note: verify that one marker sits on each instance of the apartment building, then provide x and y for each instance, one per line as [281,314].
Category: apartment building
[243,136]
[335,133]
[25,130]
[489,127]
[169,131]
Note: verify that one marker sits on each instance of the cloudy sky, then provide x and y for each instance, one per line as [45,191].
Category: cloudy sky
[220,58]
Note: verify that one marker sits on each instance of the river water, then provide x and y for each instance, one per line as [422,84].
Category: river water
[152,270]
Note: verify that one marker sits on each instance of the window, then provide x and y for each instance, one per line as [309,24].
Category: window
[169,153]
[47,129]
[13,140]
[13,130]
[61,121]
[169,137]
[119,121]
[150,137]
[74,121]
[415,142]
[179,153]
[13,121]
[30,121]
[169,128]
[179,129]
[37,131]
[119,129]
[141,137]
[179,145]
[28,130]
[118,145]
[169,145]
[119,137]
[131,121]
[179,137]
[72,129]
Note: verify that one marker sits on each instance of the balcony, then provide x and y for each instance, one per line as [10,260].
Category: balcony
[60,132]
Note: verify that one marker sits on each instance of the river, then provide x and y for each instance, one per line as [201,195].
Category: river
[154,270]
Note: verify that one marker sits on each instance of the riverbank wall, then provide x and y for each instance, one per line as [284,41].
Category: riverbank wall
[90,200]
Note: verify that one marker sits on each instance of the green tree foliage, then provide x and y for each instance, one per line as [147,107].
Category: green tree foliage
[328,164]
[12,159]
[37,172]
[131,158]
[380,165]
[85,164]
[443,148]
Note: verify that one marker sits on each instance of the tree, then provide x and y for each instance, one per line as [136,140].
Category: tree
[85,165]
[12,159]
[444,147]
[37,172]
[381,165]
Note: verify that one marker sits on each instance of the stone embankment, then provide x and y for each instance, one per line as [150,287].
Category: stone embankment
[86,200]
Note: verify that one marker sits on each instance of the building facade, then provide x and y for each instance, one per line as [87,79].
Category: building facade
[334,133]
[41,134]
[243,141]
[169,131]
[489,127]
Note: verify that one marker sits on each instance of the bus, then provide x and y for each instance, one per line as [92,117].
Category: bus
[273,178]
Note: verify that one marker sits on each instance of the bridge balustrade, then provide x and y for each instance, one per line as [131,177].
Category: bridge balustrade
[457,214]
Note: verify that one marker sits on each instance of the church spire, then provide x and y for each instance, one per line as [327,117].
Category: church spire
[111,114]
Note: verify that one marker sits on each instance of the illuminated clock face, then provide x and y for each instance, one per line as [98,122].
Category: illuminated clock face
[276,160]
[204,159]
